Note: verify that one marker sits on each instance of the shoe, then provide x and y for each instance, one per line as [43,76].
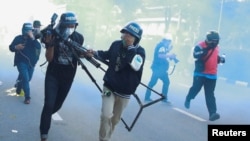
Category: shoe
[18,92]
[166,101]
[21,93]
[27,101]
[214,117]
[187,104]
[44,137]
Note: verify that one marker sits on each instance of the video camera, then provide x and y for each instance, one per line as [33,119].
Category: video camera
[48,30]
[175,60]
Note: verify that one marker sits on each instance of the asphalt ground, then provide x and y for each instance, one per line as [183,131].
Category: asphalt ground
[78,119]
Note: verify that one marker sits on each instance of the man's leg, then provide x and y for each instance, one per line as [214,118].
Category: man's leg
[105,129]
[24,72]
[51,91]
[165,80]
[209,87]
[120,105]
[151,84]
[194,90]
[18,84]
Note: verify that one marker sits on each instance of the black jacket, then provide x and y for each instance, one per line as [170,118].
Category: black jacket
[62,51]
[120,77]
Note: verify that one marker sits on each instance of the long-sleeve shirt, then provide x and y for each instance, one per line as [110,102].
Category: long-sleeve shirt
[29,54]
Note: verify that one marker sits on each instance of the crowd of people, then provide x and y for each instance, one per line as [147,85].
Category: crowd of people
[125,60]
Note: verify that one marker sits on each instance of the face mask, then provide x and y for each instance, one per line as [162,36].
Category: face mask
[68,32]
[124,43]
[212,44]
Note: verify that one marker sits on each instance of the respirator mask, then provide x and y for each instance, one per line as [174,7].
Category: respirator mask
[65,32]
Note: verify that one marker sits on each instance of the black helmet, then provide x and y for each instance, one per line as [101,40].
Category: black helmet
[134,29]
[212,38]
[68,18]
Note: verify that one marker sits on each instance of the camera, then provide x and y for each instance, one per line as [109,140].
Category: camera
[175,60]
[49,28]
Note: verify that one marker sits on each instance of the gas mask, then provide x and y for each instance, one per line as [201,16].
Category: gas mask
[64,32]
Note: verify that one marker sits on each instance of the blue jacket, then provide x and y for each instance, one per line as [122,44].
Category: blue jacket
[123,79]
[161,63]
[31,52]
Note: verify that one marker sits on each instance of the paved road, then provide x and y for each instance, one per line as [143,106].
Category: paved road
[78,120]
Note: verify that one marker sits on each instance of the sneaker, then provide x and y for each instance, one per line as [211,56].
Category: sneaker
[214,117]
[27,101]
[44,137]
[187,104]
[166,101]
[21,93]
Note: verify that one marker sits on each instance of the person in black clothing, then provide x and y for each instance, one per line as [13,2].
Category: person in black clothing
[125,59]
[27,52]
[61,69]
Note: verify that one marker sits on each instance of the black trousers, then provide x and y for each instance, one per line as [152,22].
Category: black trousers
[209,87]
[57,86]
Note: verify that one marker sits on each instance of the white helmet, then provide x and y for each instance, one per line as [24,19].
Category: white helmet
[168,36]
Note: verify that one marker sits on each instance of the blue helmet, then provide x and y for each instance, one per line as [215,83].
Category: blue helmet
[26,28]
[67,19]
[134,29]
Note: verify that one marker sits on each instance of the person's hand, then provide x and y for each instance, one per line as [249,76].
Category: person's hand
[48,40]
[90,53]
[171,56]
[19,46]
[31,35]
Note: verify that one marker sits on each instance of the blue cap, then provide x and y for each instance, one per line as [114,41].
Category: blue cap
[26,28]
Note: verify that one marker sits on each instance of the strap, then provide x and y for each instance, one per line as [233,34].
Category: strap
[205,60]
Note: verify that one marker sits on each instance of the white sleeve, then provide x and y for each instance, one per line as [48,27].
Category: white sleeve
[136,62]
